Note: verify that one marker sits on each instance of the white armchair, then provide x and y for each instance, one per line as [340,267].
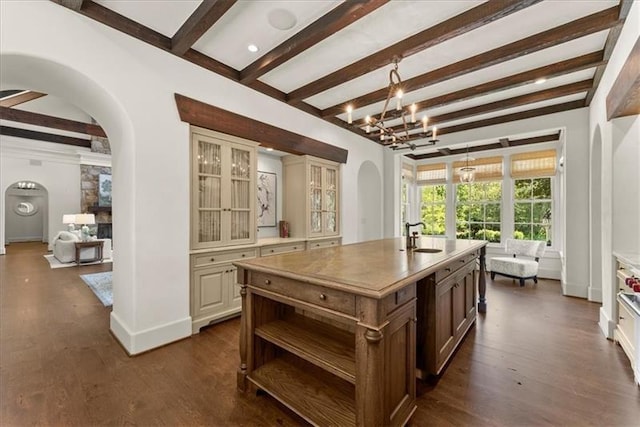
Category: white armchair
[64,248]
[519,268]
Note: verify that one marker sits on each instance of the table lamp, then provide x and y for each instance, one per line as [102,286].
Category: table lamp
[85,220]
[69,219]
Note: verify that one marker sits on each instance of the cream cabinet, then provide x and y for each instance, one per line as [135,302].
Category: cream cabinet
[215,296]
[223,190]
[312,202]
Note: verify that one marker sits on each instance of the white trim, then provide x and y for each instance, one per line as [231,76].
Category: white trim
[19,148]
[574,290]
[594,294]
[151,338]
[607,326]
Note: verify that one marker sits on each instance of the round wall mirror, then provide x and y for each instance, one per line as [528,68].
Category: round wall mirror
[25,208]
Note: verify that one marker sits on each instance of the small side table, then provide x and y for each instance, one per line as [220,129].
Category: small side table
[98,244]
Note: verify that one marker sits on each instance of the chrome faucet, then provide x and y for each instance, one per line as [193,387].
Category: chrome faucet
[411,240]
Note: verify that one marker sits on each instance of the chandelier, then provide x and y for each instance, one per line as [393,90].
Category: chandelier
[388,135]
[467,173]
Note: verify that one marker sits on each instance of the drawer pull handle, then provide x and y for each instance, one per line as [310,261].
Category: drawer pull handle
[323,297]
[295,247]
[462,260]
[271,250]
[333,243]
[213,259]
[317,244]
[267,282]
[447,269]
[242,255]
[621,318]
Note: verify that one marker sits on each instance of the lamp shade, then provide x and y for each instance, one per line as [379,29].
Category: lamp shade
[68,219]
[85,219]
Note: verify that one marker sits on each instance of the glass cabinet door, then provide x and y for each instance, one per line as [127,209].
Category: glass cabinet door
[315,202]
[331,202]
[240,194]
[209,208]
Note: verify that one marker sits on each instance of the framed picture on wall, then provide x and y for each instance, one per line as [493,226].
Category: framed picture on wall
[104,190]
[266,199]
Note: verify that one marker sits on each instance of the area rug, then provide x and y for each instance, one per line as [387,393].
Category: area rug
[54,263]
[100,284]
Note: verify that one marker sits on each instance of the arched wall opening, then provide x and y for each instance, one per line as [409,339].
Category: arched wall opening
[369,202]
[47,76]
[26,213]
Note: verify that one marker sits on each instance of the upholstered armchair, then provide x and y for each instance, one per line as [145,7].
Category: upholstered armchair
[523,264]
[64,248]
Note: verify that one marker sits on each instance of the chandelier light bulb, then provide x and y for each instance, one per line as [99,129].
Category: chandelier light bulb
[414,107]
[349,111]
[425,121]
[399,99]
[368,122]
[435,133]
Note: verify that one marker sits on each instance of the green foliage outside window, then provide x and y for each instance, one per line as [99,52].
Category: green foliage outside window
[433,208]
[478,211]
[532,209]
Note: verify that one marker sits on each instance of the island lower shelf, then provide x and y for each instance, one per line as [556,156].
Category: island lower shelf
[320,399]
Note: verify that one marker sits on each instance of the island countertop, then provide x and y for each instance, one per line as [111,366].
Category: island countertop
[374,268]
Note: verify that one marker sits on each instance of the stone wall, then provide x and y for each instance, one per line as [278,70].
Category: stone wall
[89,176]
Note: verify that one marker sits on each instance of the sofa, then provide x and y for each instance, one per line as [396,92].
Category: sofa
[64,247]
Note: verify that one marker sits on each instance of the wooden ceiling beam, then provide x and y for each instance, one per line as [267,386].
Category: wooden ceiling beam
[624,97]
[20,98]
[516,101]
[612,39]
[442,152]
[579,28]
[338,18]
[208,116]
[557,69]
[203,18]
[43,136]
[38,119]
[439,33]
[71,4]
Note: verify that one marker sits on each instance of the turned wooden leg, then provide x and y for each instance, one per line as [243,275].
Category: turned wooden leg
[493,275]
[482,283]
[535,280]
[242,370]
[369,376]
[521,282]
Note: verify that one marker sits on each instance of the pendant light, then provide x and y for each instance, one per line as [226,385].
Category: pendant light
[467,173]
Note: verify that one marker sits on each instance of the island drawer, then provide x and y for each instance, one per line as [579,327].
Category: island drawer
[456,265]
[325,243]
[282,249]
[220,257]
[313,294]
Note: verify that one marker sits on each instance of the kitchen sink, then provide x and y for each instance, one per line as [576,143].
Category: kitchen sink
[427,250]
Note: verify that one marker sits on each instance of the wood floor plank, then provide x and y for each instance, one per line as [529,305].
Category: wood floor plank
[535,358]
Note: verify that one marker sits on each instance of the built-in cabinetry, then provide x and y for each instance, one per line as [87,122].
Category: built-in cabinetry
[446,311]
[312,202]
[627,332]
[223,190]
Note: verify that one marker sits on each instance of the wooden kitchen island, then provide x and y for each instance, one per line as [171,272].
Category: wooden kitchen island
[339,335]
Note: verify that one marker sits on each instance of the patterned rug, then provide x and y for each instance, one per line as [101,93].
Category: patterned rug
[100,284]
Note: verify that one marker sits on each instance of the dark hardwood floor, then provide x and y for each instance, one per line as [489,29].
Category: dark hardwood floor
[536,358]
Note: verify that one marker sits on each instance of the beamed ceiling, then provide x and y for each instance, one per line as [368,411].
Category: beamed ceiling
[465,64]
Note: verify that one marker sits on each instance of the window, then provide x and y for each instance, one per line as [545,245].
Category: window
[478,211]
[532,209]
[433,208]
[533,198]
[431,180]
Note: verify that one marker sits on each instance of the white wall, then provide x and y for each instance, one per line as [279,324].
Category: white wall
[25,228]
[54,167]
[369,202]
[129,87]
[616,143]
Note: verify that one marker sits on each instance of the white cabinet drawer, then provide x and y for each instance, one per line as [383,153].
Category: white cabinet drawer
[219,257]
[324,243]
[282,249]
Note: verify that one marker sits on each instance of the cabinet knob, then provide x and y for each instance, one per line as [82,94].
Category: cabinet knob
[267,282]
[242,255]
[333,243]
[317,244]
[271,250]
[447,269]
[295,247]
[462,260]
[323,297]
[621,318]
[213,259]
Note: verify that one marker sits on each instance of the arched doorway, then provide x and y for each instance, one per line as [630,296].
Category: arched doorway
[26,212]
[369,202]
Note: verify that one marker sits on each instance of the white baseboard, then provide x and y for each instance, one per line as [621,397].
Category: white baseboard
[544,273]
[573,290]
[595,294]
[607,326]
[139,342]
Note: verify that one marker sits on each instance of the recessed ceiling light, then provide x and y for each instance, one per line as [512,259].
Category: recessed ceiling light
[252,48]
[269,149]
[282,19]
[540,81]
